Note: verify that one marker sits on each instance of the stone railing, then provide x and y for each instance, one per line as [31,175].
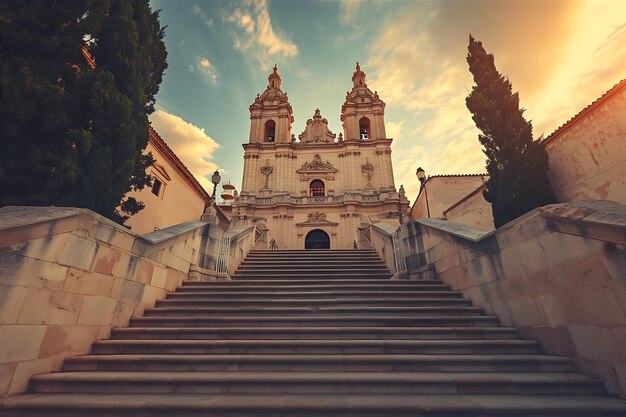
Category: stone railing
[234,247]
[384,238]
[557,273]
[286,199]
[68,275]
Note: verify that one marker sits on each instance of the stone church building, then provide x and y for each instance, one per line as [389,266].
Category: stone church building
[314,190]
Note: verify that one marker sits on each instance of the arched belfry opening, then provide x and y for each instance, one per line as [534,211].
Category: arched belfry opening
[270,131]
[317,239]
[317,188]
[364,128]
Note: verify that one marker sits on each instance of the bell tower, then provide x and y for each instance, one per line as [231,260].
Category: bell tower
[271,115]
[363,112]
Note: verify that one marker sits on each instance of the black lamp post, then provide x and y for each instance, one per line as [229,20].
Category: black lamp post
[215,179]
[421,176]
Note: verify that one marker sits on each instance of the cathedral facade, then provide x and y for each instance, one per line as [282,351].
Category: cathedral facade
[314,190]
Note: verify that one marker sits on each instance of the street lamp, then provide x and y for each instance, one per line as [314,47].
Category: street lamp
[215,179]
[421,176]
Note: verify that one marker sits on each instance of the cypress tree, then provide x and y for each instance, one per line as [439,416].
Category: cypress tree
[517,164]
[76,138]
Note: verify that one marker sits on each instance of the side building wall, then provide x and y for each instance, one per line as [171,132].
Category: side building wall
[180,198]
[588,154]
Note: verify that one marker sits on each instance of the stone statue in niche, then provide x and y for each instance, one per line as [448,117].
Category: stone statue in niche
[368,169]
[317,131]
[267,170]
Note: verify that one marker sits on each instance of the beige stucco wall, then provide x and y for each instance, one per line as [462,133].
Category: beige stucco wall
[472,211]
[442,192]
[557,273]
[178,202]
[588,157]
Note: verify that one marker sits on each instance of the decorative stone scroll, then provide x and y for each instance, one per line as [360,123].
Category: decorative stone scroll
[368,169]
[316,217]
[317,165]
[267,171]
[317,131]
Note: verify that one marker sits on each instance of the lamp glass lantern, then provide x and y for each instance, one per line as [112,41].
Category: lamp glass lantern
[420,174]
[215,179]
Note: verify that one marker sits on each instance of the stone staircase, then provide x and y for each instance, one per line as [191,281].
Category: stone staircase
[315,333]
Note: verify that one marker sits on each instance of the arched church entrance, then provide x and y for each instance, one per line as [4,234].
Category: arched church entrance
[317,239]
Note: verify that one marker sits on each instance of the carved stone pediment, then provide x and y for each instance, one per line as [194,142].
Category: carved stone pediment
[317,219]
[317,131]
[317,165]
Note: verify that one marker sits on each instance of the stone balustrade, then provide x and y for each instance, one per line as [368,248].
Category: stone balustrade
[68,275]
[557,273]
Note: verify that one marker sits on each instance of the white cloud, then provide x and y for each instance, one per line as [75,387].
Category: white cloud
[258,36]
[204,66]
[190,143]
[394,129]
[195,9]
[348,9]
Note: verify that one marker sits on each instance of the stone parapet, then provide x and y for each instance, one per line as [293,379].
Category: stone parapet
[557,273]
[68,275]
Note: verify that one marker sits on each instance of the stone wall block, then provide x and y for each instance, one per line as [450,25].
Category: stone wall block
[11,300]
[28,272]
[45,307]
[121,266]
[106,260]
[24,370]
[145,269]
[88,283]
[579,272]
[97,311]
[524,312]
[7,370]
[124,289]
[103,232]
[68,340]
[20,343]
[78,253]
[150,295]
[124,310]
[588,341]
[159,277]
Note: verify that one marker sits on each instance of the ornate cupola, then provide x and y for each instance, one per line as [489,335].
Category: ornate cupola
[363,112]
[271,114]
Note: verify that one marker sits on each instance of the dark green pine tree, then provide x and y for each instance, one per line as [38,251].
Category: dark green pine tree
[517,164]
[71,134]
[130,60]
[40,62]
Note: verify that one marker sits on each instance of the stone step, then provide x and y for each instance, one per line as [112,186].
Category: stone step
[342,288]
[319,252]
[319,311]
[316,282]
[311,405]
[307,262]
[310,275]
[316,382]
[314,320]
[307,333]
[317,269]
[314,347]
[323,257]
[321,363]
[295,302]
[301,252]
[294,293]
[424,291]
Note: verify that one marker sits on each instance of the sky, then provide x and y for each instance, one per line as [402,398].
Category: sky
[559,55]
